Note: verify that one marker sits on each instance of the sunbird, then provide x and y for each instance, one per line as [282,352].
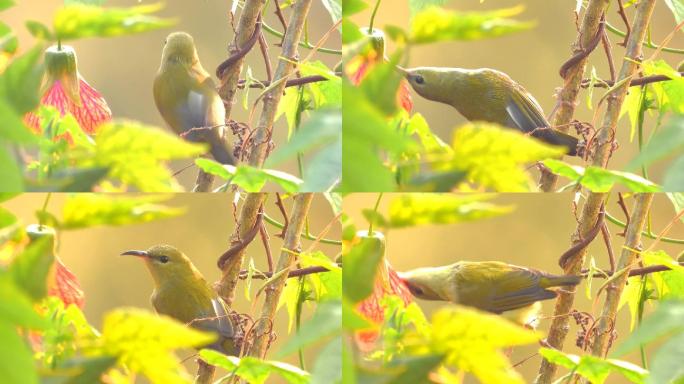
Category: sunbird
[186,97]
[488,95]
[490,286]
[181,292]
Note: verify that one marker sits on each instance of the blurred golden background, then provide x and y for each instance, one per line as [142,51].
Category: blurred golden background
[123,68]
[532,58]
[534,235]
[202,233]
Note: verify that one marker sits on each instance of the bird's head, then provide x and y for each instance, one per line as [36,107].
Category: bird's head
[433,83]
[179,47]
[165,262]
[424,283]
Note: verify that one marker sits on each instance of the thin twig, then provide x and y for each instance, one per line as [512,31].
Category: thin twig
[633,83]
[290,83]
[265,240]
[262,133]
[249,214]
[591,210]
[623,16]
[281,207]
[609,248]
[275,286]
[629,255]
[592,22]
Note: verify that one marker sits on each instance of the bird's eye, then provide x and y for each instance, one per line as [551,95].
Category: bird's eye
[415,290]
[164,259]
[419,79]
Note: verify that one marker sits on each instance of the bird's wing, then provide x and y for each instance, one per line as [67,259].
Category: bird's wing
[499,287]
[525,111]
[224,324]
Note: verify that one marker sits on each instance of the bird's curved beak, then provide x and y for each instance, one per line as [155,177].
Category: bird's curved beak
[401,70]
[136,253]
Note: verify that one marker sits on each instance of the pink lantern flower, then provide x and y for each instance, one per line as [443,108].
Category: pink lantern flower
[65,89]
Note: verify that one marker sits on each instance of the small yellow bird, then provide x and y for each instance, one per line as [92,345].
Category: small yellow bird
[186,97]
[491,286]
[181,292]
[486,94]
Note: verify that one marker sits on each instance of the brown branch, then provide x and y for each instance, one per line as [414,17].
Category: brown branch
[633,83]
[289,83]
[584,241]
[274,289]
[634,271]
[279,13]
[294,273]
[609,54]
[205,372]
[230,74]
[240,54]
[572,76]
[601,154]
[623,16]
[263,46]
[628,258]
[272,96]
[249,214]
[241,242]
[286,220]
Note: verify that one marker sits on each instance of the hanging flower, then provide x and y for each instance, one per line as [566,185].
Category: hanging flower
[66,286]
[358,67]
[387,282]
[65,89]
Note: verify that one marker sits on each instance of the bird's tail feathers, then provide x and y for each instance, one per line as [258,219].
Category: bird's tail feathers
[222,153]
[555,137]
[559,281]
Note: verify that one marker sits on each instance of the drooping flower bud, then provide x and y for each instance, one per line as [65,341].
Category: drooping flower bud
[387,282]
[65,89]
[358,67]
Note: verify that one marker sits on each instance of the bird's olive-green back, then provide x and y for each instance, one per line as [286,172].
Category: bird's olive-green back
[492,286]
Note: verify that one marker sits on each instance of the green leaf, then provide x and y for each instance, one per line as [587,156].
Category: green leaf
[11,179]
[135,154]
[667,319]
[361,264]
[416,6]
[428,208]
[325,322]
[666,365]
[31,267]
[677,8]
[595,369]
[253,370]
[495,157]
[350,7]
[20,82]
[8,40]
[437,24]
[69,180]
[249,178]
[327,368]
[668,140]
[366,137]
[39,30]
[674,176]
[323,128]
[90,210]
[4,4]
[84,370]
[79,21]
[598,179]
[16,359]
[470,340]
[16,306]
[145,342]
[334,8]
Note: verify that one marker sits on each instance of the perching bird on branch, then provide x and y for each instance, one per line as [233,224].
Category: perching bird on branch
[187,99]
[181,292]
[491,286]
[488,95]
